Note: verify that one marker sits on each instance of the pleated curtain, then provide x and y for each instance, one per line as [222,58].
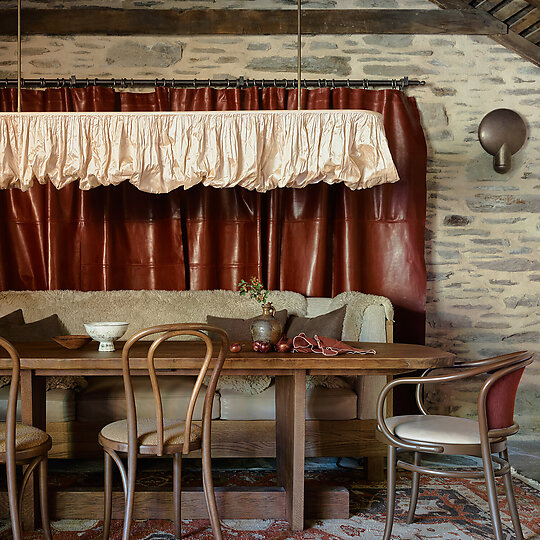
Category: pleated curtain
[318,241]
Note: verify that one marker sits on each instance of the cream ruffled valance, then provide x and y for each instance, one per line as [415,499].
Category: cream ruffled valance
[158,152]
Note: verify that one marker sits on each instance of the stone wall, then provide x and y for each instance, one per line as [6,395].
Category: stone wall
[483,228]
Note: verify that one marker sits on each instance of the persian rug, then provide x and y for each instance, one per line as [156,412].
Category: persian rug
[448,509]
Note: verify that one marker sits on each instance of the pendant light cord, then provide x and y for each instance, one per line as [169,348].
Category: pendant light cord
[19,69]
[299,54]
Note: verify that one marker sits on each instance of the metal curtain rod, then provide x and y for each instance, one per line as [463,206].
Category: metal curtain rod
[240,82]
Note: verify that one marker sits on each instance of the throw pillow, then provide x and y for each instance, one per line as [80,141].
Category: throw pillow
[328,324]
[238,329]
[15,317]
[35,331]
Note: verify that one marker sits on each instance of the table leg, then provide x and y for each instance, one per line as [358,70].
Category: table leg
[32,413]
[291,442]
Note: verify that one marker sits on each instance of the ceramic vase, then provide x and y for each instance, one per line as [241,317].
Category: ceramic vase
[266,327]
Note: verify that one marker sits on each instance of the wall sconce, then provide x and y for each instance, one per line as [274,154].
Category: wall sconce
[502,133]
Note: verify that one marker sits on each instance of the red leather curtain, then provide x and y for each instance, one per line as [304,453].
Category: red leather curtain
[318,241]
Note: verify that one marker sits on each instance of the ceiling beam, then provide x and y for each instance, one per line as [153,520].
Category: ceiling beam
[525,48]
[248,22]
[521,46]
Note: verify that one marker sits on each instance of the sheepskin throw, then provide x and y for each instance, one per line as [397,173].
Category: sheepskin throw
[356,305]
[141,309]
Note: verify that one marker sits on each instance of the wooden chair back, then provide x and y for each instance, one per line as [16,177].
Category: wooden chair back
[11,417]
[164,333]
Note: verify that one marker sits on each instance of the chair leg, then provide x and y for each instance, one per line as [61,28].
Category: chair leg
[177,490]
[391,491]
[130,495]
[511,498]
[11,473]
[44,499]
[414,490]
[209,495]
[491,488]
[107,496]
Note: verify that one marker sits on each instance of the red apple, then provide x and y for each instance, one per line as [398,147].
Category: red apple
[256,346]
[265,347]
[284,345]
[235,347]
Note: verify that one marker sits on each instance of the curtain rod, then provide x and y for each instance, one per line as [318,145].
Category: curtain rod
[240,82]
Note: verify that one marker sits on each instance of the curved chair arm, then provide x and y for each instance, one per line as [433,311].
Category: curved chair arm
[487,363]
[392,438]
[504,363]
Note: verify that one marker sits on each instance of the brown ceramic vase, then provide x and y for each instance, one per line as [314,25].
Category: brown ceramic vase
[266,327]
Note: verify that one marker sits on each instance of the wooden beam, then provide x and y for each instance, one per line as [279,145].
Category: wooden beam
[525,48]
[322,502]
[521,46]
[248,22]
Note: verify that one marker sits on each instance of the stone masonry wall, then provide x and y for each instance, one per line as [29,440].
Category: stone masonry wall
[483,228]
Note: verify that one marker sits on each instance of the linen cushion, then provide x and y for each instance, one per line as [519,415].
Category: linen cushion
[435,429]
[35,331]
[328,325]
[105,401]
[321,404]
[60,405]
[26,437]
[15,317]
[173,432]
[239,329]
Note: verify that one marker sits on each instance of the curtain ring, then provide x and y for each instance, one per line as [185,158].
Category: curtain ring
[195,84]
[132,82]
[41,82]
[208,83]
[348,83]
[333,84]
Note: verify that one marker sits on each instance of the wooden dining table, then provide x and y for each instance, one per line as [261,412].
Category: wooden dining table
[288,500]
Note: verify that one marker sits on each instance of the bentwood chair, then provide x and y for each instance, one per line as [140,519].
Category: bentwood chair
[138,437]
[439,434]
[21,444]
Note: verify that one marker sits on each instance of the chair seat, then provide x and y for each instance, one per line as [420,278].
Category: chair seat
[173,432]
[435,429]
[26,437]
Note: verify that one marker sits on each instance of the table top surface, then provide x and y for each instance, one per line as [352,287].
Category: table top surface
[186,355]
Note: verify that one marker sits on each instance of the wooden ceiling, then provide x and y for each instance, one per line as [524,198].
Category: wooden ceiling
[521,17]
[512,23]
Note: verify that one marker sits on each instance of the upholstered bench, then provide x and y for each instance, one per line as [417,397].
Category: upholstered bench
[75,415]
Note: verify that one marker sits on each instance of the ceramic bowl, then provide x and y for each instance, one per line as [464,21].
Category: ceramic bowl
[72,342]
[106,333]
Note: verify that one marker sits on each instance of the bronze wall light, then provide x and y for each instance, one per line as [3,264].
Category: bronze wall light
[502,133]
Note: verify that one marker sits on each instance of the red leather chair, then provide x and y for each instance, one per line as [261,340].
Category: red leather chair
[439,434]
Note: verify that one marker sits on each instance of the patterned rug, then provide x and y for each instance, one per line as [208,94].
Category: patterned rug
[447,509]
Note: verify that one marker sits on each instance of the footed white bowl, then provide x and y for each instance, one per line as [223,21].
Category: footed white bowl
[106,333]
